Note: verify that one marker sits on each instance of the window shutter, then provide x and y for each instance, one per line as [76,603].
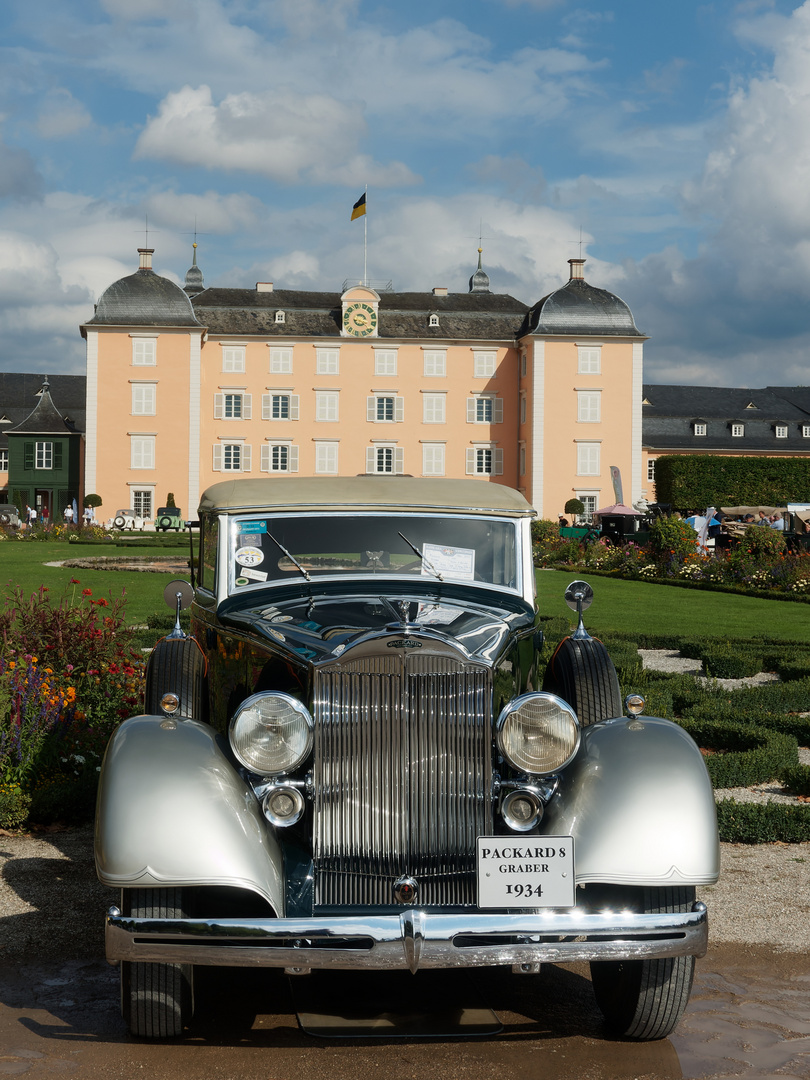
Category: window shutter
[399,409]
[399,460]
[219,406]
[470,460]
[293,459]
[371,409]
[497,462]
[247,406]
[246,449]
[29,455]
[265,465]
[497,410]
[472,406]
[57,455]
[294,399]
[217,458]
[267,405]
[371,459]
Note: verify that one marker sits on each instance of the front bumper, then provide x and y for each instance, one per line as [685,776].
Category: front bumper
[411,940]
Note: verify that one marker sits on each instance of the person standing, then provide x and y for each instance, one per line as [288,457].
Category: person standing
[68,512]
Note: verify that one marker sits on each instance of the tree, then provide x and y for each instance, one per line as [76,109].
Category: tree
[170,500]
[92,501]
[575,506]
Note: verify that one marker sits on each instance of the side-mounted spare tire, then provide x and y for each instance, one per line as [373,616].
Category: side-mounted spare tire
[177,666]
[582,673]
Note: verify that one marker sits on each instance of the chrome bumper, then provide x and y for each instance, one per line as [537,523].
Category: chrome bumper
[412,940]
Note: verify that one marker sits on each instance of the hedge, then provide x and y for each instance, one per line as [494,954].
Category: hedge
[690,481]
[762,823]
[749,755]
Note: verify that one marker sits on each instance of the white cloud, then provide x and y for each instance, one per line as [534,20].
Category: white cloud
[62,116]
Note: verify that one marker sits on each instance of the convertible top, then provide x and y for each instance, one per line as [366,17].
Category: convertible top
[366,493]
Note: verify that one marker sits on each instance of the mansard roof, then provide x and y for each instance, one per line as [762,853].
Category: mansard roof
[143,299]
[580,308]
[19,395]
[44,418]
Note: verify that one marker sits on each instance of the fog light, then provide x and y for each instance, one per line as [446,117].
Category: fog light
[522,809]
[170,703]
[283,805]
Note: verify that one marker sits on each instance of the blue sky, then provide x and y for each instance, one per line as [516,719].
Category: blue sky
[673,138]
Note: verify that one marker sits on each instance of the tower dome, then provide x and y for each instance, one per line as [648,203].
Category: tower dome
[144,299]
[580,308]
[194,276]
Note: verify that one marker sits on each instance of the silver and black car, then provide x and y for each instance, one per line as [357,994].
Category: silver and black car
[356,761]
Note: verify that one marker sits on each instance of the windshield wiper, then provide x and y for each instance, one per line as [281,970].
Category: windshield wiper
[423,558]
[292,558]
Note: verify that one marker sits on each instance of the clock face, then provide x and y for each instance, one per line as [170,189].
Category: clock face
[359,320]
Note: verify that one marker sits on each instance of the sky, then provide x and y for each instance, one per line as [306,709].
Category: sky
[668,144]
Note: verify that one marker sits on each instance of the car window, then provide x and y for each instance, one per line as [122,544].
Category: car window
[455,547]
[209,534]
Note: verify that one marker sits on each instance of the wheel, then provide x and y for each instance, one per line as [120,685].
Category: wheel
[119,522]
[176,666]
[582,673]
[645,999]
[157,1000]
[4,519]
[165,522]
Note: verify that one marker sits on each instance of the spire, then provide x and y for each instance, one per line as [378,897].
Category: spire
[194,276]
[479,282]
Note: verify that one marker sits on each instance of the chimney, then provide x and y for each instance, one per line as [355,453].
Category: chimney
[576,269]
[440,290]
[146,258]
[264,286]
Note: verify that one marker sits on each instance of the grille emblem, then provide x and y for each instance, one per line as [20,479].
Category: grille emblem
[406,890]
[404,643]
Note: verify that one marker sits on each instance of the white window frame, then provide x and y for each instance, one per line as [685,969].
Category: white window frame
[292,408]
[279,456]
[434,408]
[142,502]
[589,459]
[327,406]
[385,362]
[144,399]
[523,408]
[590,500]
[806,431]
[651,470]
[142,451]
[589,406]
[484,459]
[281,317]
[144,350]
[327,361]
[326,458]
[281,359]
[700,430]
[781,431]
[374,406]
[385,459]
[224,456]
[484,364]
[589,359]
[4,460]
[221,407]
[481,404]
[738,431]
[434,363]
[233,359]
[433,459]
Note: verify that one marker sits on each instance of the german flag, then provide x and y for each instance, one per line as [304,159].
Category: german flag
[359,207]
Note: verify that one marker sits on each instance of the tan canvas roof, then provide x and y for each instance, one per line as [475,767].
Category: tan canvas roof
[365,493]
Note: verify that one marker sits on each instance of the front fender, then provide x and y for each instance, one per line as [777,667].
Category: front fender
[639,803]
[172,810]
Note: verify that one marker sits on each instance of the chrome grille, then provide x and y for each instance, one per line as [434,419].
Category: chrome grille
[402,777]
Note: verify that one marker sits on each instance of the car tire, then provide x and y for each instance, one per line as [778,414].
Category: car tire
[119,522]
[157,1000]
[178,666]
[645,999]
[582,673]
[165,522]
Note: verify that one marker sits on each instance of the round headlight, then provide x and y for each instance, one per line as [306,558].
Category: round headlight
[538,733]
[271,733]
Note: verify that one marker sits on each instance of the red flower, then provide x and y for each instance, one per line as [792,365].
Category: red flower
[87,592]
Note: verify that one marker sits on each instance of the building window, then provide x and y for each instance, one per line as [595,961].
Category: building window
[651,470]
[279,406]
[433,320]
[589,406]
[279,457]
[233,406]
[523,408]
[142,451]
[738,430]
[385,361]
[700,429]
[385,408]
[280,317]
[327,361]
[588,459]
[232,457]
[484,410]
[434,408]
[435,363]
[326,406]
[589,502]
[523,364]
[589,359]
[326,457]
[433,459]
[281,361]
[522,459]
[144,352]
[233,358]
[144,399]
[781,431]
[385,459]
[484,460]
[44,455]
[3,460]
[806,431]
[484,365]
[142,502]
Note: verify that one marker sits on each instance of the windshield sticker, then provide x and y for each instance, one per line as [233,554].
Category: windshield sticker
[241,581]
[254,575]
[249,556]
[251,526]
[250,539]
[457,562]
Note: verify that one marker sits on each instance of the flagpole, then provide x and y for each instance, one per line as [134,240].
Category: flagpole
[365,241]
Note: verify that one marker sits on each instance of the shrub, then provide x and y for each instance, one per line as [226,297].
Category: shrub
[14,804]
[727,661]
[762,823]
[793,668]
[543,529]
[796,779]
[747,754]
[671,540]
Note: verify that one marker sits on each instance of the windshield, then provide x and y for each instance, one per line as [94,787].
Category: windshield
[265,548]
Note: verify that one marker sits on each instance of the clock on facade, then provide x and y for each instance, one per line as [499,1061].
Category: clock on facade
[359,320]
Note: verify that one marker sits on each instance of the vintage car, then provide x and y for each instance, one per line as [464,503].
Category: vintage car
[168,517]
[127,519]
[9,516]
[355,761]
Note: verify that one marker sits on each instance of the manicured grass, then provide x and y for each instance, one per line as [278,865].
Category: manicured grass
[24,564]
[641,606]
